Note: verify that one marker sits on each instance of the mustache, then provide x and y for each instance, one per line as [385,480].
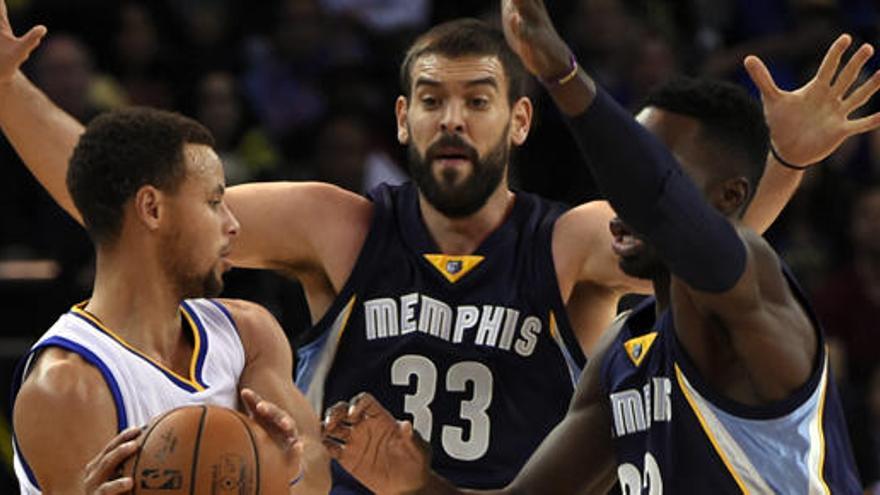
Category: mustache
[451,141]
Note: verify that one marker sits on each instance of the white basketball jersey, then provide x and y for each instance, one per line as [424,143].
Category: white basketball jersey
[141,387]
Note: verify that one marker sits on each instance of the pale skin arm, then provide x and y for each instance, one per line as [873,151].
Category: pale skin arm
[64,416]
[269,391]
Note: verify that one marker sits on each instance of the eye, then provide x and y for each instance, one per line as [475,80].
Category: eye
[215,203]
[479,102]
[430,102]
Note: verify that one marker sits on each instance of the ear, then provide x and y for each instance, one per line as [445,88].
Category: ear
[730,196]
[401,109]
[148,207]
[520,121]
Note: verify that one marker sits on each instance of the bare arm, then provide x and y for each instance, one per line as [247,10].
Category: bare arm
[269,372]
[64,401]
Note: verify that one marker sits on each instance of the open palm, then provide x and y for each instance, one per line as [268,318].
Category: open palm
[809,123]
[15,50]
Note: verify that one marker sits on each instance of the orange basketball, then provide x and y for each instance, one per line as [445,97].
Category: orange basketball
[207,450]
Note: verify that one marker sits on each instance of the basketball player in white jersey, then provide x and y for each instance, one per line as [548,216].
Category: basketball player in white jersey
[286,227]
[150,189]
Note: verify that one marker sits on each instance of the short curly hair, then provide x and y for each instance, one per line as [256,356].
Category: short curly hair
[731,120]
[122,151]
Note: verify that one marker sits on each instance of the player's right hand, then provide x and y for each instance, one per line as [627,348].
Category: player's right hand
[385,455]
[100,476]
[15,50]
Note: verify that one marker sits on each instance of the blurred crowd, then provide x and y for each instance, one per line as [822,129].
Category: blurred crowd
[304,90]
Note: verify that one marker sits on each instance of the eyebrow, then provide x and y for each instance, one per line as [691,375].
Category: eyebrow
[220,189]
[487,81]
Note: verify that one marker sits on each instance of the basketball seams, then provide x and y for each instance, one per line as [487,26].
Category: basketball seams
[198,444]
[250,433]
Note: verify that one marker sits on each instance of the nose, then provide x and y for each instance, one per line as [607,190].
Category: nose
[232,225]
[453,118]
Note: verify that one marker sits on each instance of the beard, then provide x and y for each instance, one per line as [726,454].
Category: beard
[466,198]
[181,268]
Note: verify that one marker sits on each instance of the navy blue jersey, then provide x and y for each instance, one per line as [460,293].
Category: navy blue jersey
[674,434]
[475,350]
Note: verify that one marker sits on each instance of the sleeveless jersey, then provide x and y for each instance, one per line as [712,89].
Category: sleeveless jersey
[141,387]
[674,434]
[476,350]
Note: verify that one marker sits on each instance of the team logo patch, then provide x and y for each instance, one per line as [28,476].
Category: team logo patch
[453,268]
[638,347]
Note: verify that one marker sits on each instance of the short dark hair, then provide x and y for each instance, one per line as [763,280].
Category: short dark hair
[463,37]
[730,117]
[122,151]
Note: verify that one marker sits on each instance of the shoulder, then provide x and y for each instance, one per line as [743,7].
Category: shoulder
[260,331]
[62,415]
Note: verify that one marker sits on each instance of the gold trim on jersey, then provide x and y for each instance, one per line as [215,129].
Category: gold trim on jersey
[191,381]
[348,310]
[453,268]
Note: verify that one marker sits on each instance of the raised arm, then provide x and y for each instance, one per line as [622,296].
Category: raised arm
[809,123]
[43,135]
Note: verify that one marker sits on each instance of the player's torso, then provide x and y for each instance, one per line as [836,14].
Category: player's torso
[475,350]
[142,388]
[673,434]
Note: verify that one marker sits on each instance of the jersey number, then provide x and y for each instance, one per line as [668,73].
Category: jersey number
[457,378]
[632,482]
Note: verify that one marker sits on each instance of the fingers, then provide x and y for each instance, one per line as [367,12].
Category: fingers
[105,466]
[124,436]
[28,42]
[271,416]
[117,486]
[865,124]
[863,93]
[761,77]
[853,68]
[832,59]
[364,405]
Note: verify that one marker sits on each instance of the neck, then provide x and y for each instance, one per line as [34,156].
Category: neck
[133,297]
[661,284]
[462,236]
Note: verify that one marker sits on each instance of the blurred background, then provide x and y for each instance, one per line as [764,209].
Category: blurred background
[304,90]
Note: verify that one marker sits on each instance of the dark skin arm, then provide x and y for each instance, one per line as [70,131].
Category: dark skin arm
[389,458]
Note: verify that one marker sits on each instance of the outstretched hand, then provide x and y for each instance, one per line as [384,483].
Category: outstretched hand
[14,50]
[531,35]
[810,123]
[385,455]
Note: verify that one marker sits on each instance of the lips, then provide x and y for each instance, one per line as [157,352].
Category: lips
[624,242]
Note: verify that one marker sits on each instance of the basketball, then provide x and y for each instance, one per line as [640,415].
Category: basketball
[207,450]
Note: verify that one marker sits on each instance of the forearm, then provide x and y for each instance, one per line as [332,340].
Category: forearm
[775,190]
[42,134]
[647,188]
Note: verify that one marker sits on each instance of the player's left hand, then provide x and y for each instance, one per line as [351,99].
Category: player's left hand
[531,35]
[279,424]
[809,123]
[385,455]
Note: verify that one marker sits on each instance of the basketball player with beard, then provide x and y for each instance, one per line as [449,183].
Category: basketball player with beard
[463,305]
[150,189]
[720,384]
